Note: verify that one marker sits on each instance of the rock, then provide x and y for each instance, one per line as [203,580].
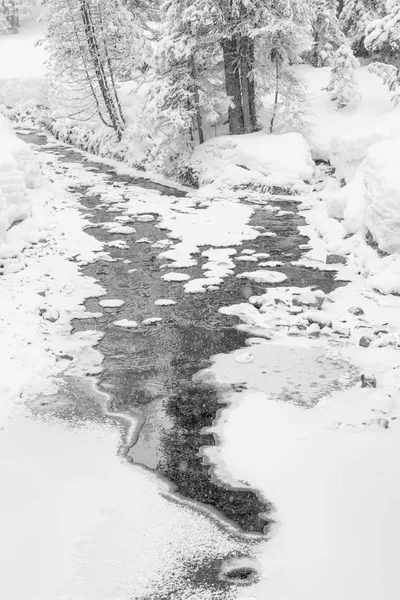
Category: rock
[295,310]
[381,331]
[378,422]
[313,299]
[313,328]
[335,259]
[368,381]
[244,358]
[51,315]
[356,310]
[365,341]
[151,321]
[256,302]
[318,317]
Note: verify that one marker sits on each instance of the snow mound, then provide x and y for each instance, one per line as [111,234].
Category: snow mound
[371,201]
[349,149]
[253,160]
[263,276]
[18,172]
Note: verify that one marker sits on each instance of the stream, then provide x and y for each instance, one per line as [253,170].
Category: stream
[148,371]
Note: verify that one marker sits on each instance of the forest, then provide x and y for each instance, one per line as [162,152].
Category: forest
[204,67]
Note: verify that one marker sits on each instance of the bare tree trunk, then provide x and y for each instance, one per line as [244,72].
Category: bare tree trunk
[252,88]
[197,103]
[244,84]
[110,69]
[232,83]
[99,69]
[271,127]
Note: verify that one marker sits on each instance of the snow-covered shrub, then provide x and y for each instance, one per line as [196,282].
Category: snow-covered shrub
[343,84]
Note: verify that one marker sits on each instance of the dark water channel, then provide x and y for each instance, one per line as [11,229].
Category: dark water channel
[148,371]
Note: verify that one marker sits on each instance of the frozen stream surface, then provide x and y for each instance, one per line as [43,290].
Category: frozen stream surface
[166,519]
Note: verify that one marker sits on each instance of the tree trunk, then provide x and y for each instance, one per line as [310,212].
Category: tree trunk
[271,127]
[232,83]
[244,84]
[197,103]
[252,89]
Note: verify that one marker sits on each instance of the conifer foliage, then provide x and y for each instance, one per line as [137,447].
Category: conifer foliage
[383,35]
[327,35]
[343,84]
[355,16]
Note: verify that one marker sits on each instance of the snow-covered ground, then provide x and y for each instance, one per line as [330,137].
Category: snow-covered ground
[327,456]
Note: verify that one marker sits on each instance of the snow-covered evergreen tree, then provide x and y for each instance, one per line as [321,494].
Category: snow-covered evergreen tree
[383,35]
[390,76]
[343,84]
[327,35]
[279,49]
[355,16]
[189,88]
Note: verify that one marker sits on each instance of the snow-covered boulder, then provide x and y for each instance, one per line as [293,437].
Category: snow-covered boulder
[254,160]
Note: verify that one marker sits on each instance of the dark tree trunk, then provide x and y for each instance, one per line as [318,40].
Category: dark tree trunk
[244,84]
[271,127]
[197,104]
[252,89]
[232,83]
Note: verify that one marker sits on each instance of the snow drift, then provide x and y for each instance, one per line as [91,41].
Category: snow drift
[371,201]
[19,171]
[256,160]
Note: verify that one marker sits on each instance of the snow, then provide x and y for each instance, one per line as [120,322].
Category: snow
[263,276]
[164,302]
[111,303]
[253,160]
[19,173]
[176,277]
[126,323]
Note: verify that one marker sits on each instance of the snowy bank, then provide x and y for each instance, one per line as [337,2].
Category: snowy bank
[257,160]
[19,172]
[371,199]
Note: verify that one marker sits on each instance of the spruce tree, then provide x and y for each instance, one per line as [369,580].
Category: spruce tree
[383,35]
[327,36]
[343,85]
[355,17]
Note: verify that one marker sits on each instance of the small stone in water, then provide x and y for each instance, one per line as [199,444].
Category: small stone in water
[356,310]
[365,341]
[335,259]
[368,381]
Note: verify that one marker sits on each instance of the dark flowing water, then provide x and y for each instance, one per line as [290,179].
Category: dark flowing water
[148,371]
